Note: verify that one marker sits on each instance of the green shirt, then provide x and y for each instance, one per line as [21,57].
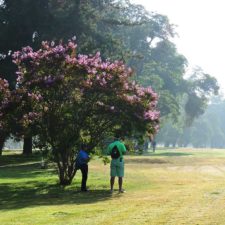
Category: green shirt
[121,147]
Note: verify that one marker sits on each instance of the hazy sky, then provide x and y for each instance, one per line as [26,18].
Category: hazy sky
[201,29]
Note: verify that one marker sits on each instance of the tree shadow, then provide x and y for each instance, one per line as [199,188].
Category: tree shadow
[30,170]
[28,188]
[171,154]
[33,193]
[15,159]
[25,184]
[146,160]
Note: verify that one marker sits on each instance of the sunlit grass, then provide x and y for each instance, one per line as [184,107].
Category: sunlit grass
[173,187]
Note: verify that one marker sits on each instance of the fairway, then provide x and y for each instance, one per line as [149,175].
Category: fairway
[172,187]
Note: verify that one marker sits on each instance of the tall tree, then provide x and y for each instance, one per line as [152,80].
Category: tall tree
[22,23]
[5,98]
[200,87]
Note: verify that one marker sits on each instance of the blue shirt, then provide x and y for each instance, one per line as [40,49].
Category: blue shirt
[82,157]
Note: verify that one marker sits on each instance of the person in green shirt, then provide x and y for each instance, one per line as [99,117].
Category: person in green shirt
[116,149]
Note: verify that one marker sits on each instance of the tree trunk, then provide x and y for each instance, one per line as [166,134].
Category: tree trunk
[66,178]
[27,146]
[66,169]
[2,142]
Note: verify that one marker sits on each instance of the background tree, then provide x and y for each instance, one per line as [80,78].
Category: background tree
[207,131]
[21,23]
[30,21]
[5,96]
[200,88]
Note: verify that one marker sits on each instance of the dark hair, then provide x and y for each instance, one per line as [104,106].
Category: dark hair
[116,136]
[83,146]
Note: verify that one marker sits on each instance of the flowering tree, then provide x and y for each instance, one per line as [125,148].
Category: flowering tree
[79,98]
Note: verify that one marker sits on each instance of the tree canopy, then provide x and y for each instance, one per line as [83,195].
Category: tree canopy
[74,98]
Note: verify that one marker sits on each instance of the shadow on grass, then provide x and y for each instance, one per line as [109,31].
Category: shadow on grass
[33,193]
[145,161]
[15,159]
[171,154]
[30,170]
[24,184]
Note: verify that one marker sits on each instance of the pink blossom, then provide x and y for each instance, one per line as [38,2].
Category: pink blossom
[103,82]
[152,115]
[132,98]
[126,86]
[140,91]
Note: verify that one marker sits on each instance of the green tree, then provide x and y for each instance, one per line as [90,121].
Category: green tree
[30,21]
[200,87]
[5,96]
[20,22]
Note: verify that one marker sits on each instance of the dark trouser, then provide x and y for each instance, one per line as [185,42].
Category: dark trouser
[84,171]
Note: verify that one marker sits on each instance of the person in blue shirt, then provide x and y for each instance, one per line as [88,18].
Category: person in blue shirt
[82,165]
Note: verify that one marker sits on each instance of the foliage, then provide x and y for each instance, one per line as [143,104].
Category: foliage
[34,21]
[28,20]
[4,101]
[13,108]
[5,96]
[200,88]
[207,131]
[119,30]
[79,98]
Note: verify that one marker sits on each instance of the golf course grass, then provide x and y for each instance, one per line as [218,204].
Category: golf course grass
[172,187]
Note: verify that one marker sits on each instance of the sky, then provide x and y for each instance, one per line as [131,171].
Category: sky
[201,30]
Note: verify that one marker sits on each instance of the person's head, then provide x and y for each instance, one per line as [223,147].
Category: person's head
[116,137]
[83,146]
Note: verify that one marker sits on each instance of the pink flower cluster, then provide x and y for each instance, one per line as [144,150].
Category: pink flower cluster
[46,53]
[132,98]
[152,115]
[97,72]
[30,118]
[3,84]
[35,96]
[4,93]
[58,67]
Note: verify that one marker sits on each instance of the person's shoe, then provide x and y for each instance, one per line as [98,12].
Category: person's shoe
[111,191]
[122,191]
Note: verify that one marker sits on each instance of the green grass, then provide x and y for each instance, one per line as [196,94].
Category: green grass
[172,187]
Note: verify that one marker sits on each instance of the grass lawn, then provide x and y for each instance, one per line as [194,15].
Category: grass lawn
[173,187]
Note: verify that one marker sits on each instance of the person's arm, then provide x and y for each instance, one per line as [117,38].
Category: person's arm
[87,157]
[123,148]
[108,151]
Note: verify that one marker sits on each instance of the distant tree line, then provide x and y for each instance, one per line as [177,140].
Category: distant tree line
[206,132]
